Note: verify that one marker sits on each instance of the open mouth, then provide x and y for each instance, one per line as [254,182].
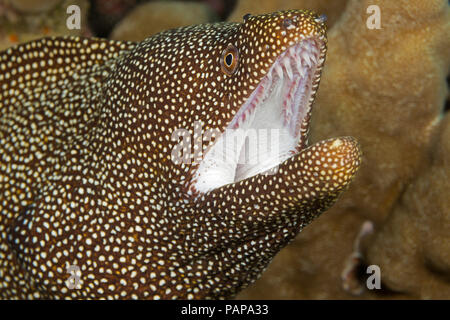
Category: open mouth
[271,126]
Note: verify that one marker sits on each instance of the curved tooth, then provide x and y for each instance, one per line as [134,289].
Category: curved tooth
[305,56]
[268,83]
[279,71]
[287,66]
[302,71]
[292,52]
[266,91]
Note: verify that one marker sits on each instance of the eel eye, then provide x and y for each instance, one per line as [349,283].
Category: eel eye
[229,60]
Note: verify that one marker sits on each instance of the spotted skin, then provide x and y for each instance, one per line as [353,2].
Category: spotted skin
[86,176]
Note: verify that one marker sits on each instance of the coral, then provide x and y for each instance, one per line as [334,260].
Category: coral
[310,267]
[332,8]
[413,247]
[387,87]
[105,14]
[33,5]
[22,21]
[150,18]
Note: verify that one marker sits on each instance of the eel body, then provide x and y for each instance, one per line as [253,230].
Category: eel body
[88,180]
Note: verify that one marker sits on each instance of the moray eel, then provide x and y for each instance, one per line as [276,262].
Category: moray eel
[94,173]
